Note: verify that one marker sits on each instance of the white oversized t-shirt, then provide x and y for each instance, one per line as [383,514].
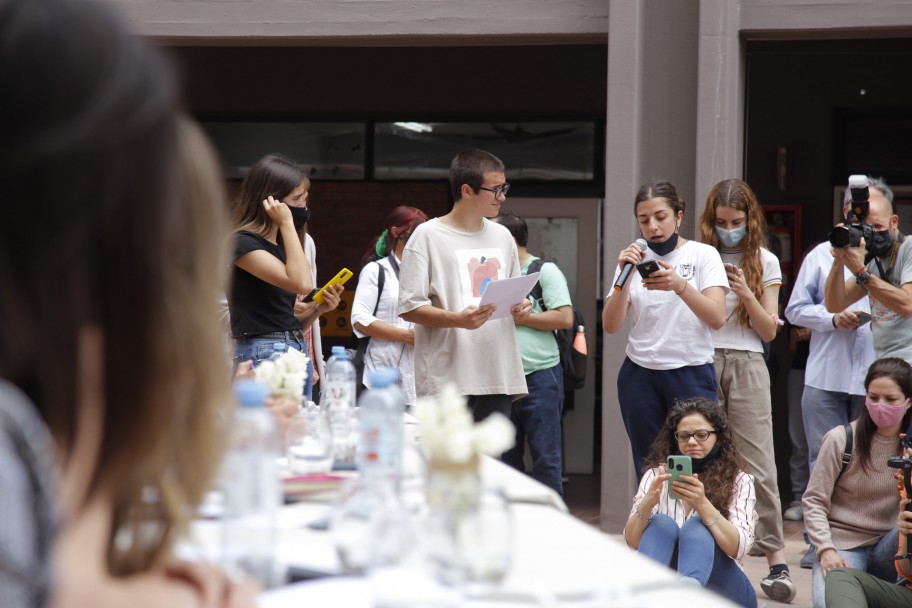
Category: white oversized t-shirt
[666,334]
[449,269]
[733,335]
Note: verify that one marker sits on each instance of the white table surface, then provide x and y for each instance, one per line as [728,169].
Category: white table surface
[557,561]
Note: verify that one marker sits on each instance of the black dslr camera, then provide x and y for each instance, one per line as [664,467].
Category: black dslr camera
[855,228]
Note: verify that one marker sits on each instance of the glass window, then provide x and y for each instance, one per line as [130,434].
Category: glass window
[326,150]
[530,150]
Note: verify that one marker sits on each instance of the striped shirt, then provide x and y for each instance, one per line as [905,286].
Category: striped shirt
[741,512]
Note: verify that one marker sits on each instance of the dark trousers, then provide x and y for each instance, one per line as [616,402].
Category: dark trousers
[847,587]
[646,396]
[484,405]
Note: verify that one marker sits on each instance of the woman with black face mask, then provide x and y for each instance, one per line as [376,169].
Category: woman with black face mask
[271,272]
[701,524]
[670,347]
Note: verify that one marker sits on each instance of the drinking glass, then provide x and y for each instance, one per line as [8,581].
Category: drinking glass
[309,443]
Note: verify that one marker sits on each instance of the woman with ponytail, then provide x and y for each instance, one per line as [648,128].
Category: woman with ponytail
[374,311]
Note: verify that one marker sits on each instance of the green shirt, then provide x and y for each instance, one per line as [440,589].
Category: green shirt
[538,348]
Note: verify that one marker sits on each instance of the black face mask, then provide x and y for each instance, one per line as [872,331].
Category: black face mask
[299,215]
[881,244]
[700,464]
[666,246]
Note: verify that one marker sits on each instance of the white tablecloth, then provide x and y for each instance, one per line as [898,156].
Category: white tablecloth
[557,561]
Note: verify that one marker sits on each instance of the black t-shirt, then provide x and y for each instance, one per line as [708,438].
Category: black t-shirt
[256,306]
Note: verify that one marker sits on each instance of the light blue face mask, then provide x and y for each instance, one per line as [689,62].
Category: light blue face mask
[731,238]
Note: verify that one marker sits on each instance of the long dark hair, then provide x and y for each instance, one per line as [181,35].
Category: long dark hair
[111,251]
[273,175]
[719,477]
[899,372]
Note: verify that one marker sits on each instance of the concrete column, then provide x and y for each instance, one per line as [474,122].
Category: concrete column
[650,133]
[720,95]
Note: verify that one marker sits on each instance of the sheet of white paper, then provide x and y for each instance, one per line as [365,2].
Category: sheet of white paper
[507,293]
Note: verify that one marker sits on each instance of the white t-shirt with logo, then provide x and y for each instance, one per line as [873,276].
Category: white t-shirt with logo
[666,334]
[734,335]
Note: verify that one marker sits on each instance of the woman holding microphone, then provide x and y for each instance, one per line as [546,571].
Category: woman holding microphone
[670,348]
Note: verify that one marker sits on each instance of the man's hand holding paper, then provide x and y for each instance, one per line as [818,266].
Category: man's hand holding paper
[509,296]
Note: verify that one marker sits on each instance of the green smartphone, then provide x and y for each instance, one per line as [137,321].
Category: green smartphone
[340,278]
[677,466]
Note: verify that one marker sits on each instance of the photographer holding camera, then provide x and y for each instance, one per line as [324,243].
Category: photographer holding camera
[871,247]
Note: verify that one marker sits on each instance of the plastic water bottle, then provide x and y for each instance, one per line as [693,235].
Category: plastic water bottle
[250,483]
[579,340]
[338,401]
[380,412]
[278,349]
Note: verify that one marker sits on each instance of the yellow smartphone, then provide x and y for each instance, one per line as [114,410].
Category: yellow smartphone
[340,278]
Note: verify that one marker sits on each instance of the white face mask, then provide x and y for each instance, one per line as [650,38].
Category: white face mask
[730,238]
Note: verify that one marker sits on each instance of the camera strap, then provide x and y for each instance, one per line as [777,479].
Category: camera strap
[885,275]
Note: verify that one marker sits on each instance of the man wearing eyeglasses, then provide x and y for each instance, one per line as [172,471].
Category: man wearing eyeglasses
[446,265]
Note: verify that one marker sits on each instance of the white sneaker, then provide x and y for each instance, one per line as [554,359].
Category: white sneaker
[794,512]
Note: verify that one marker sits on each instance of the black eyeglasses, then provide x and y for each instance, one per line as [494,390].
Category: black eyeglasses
[503,189]
[701,435]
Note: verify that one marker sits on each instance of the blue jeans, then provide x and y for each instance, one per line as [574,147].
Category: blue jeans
[537,417]
[260,349]
[824,410]
[876,560]
[695,553]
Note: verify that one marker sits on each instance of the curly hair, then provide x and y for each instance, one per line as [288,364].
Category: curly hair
[719,478]
[736,194]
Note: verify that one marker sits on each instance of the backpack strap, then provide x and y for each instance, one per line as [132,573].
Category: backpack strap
[536,293]
[847,453]
[381,277]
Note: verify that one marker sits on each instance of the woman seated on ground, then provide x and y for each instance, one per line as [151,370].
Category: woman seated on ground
[706,533]
[849,511]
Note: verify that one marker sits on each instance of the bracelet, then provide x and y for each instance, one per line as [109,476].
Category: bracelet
[713,522]
[640,517]
[683,290]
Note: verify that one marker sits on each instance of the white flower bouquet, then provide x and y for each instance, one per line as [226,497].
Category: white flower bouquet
[449,435]
[284,375]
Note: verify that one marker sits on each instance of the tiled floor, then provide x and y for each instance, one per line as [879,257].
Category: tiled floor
[581,493]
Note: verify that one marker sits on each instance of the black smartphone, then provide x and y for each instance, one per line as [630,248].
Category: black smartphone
[647,267]
[863,318]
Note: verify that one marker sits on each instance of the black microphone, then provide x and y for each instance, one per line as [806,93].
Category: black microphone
[625,271]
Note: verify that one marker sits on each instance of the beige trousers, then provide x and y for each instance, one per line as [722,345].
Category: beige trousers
[744,394]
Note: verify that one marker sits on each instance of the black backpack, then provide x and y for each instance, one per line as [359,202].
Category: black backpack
[572,361]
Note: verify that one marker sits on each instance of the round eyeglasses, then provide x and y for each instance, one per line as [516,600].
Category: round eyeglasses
[701,435]
[502,189]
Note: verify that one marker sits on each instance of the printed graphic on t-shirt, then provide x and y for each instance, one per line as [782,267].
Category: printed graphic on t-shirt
[477,268]
[685,270]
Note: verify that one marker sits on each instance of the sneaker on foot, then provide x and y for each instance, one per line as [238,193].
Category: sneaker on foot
[779,587]
[795,512]
[808,559]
